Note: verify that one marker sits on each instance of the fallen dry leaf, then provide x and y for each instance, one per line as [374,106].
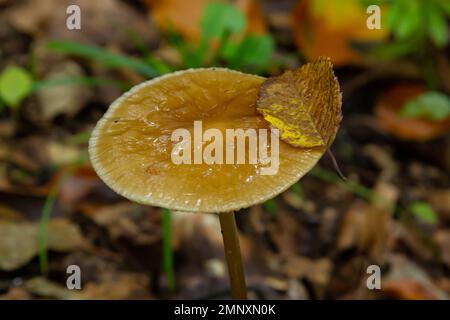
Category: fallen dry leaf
[293,199]
[256,217]
[43,287]
[20,241]
[78,185]
[67,99]
[383,158]
[10,214]
[29,153]
[63,154]
[412,239]
[388,108]
[255,15]
[277,283]
[444,284]
[305,104]
[406,280]
[16,294]
[440,201]
[347,275]
[317,271]
[7,127]
[329,28]
[407,289]
[47,18]
[286,234]
[442,238]
[297,291]
[119,287]
[122,286]
[125,220]
[215,268]
[188,226]
[367,226]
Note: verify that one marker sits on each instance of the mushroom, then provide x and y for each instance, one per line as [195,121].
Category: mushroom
[132,150]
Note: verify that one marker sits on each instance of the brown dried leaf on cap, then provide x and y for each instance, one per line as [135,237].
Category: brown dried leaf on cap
[304,104]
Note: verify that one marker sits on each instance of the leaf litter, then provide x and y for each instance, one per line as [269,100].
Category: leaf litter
[316,244]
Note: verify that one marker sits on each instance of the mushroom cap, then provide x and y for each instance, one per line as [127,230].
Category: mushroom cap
[131,146]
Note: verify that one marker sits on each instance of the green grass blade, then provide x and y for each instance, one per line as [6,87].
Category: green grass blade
[108,58]
[43,226]
[168,250]
[80,138]
[356,188]
[88,81]
[271,206]
[45,219]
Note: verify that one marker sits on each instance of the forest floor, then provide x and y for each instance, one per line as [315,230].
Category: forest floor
[314,241]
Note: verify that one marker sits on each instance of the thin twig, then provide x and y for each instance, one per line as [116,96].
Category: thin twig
[336,165]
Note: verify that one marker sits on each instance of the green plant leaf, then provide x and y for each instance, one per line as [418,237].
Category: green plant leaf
[405,19]
[395,14]
[159,65]
[437,24]
[425,212]
[271,206]
[297,189]
[445,5]
[431,105]
[417,22]
[15,85]
[193,55]
[44,220]
[353,186]
[108,58]
[220,17]
[87,81]
[2,105]
[396,49]
[253,51]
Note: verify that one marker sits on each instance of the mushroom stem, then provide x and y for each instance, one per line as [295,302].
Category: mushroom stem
[233,255]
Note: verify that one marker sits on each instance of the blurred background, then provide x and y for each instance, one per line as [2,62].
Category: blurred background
[314,241]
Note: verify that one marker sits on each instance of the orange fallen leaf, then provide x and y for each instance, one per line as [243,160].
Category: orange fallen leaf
[387,111]
[407,289]
[328,28]
[185,16]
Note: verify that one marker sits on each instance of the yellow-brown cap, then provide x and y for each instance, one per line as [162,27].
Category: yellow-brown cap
[131,146]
